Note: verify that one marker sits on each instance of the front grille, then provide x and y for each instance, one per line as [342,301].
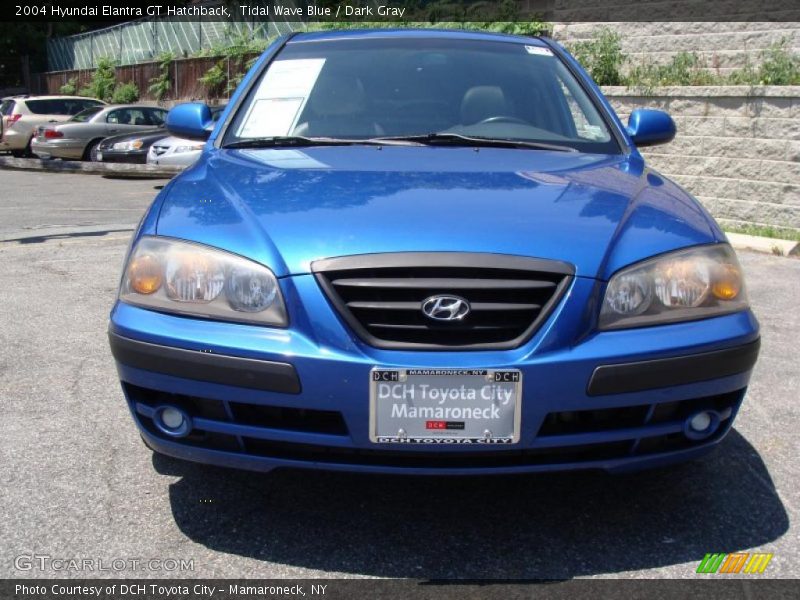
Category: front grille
[381,297]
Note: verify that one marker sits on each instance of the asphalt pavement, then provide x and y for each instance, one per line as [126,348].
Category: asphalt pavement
[77,483]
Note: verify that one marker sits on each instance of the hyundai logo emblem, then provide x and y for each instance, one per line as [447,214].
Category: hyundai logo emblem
[445,308]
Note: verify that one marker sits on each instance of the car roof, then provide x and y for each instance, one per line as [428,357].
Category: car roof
[461,34]
[57,98]
[134,106]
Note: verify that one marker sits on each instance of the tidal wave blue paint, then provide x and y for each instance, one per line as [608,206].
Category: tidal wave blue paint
[287,207]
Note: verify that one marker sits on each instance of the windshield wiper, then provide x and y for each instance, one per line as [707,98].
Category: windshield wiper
[281,141]
[457,139]
[287,140]
[453,139]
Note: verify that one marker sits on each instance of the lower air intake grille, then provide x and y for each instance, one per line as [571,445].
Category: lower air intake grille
[382,297]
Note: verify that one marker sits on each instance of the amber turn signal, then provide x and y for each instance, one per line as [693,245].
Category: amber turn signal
[727,283]
[145,274]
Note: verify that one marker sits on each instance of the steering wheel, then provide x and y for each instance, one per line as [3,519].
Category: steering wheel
[503,119]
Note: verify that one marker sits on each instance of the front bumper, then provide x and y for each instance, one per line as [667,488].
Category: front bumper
[172,159]
[113,156]
[263,398]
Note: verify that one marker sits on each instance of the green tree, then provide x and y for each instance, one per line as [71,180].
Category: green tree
[70,88]
[161,85]
[602,57]
[103,81]
[23,49]
[125,93]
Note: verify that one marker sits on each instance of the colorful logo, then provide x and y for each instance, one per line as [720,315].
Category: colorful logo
[737,562]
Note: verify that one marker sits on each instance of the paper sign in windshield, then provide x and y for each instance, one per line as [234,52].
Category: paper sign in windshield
[281,97]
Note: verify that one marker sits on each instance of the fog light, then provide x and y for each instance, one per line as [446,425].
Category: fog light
[701,425]
[700,421]
[172,421]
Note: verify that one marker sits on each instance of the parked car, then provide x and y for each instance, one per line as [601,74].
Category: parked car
[20,116]
[429,252]
[179,152]
[130,147]
[80,137]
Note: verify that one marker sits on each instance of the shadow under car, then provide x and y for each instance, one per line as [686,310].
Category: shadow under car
[549,526]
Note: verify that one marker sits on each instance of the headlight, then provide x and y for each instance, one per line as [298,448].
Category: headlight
[128,146]
[681,286]
[193,148]
[187,278]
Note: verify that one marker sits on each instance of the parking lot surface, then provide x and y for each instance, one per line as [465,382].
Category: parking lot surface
[76,481]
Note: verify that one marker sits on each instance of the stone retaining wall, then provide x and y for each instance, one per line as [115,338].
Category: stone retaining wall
[721,46]
[737,148]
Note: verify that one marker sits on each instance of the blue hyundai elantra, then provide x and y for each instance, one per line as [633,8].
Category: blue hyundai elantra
[428,252]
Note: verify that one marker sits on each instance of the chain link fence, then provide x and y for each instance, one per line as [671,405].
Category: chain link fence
[144,40]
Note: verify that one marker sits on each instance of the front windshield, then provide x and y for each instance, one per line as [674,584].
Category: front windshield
[394,87]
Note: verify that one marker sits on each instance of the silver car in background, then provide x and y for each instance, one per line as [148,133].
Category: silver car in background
[21,116]
[179,152]
[79,137]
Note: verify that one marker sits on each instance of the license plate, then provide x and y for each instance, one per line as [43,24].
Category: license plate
[445,406]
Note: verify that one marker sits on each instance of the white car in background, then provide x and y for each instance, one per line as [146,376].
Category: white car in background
[20,116]
[178,152]
[173,151]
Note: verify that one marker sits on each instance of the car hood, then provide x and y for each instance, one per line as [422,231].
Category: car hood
[146,135]
[288,207]
[172,142]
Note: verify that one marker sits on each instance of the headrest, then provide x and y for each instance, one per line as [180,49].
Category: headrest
[481,102]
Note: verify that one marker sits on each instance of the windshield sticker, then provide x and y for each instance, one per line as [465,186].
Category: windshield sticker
[281,97]
[539,50]
[592,132]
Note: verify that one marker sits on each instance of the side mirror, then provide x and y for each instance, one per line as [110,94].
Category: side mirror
[648,127]
[191,120]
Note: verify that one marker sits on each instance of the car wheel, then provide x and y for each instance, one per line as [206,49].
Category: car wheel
[91,151]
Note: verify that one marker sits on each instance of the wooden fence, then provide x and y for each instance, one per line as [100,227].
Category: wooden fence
[185,77]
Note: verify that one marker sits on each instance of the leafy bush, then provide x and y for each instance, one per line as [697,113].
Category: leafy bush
[685,68]
[779,66]
[602,57]
[215,79]
[70,88]
[103,81]
[125,93]
[160,86]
